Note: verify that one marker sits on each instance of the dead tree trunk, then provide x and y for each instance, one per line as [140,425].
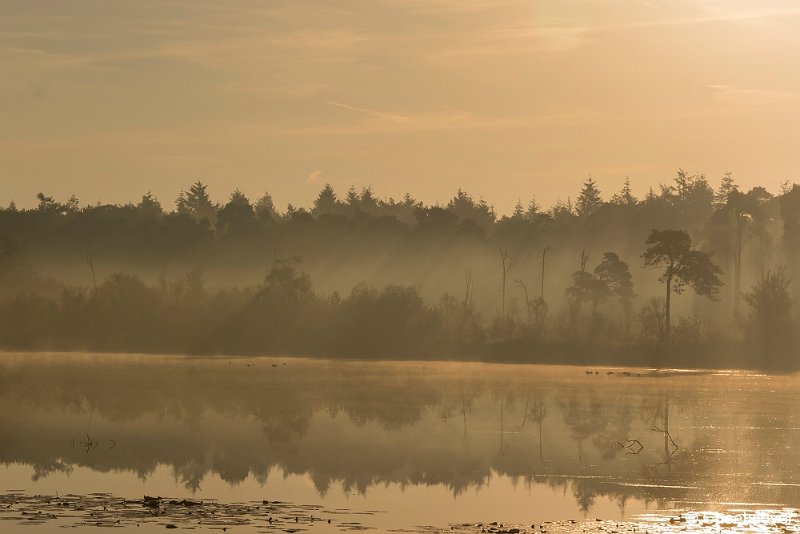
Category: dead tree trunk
[506,261]
[90,261]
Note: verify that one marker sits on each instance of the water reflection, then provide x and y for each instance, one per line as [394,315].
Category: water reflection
[699,438]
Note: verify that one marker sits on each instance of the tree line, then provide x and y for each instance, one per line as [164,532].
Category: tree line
[187,279]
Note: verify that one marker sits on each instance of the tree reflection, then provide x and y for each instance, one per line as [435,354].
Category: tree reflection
[356,425]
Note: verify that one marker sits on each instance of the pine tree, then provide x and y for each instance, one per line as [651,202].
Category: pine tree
[367,201]
[149,206]
[465,208]
[519,210]
[238,198]
[616,274]
[589,199]
[265,208]
[683,266]
[71,205]
[196,203]
[561,208]
[625,196]
[726,187]
[352,200]
[237,218]
[410,202]
[47,204]
[533,209]
[326,202]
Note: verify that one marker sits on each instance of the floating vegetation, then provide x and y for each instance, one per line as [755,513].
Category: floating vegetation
[106,510]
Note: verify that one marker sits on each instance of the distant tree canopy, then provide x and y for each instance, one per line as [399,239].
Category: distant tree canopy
[402,261]
[467,209]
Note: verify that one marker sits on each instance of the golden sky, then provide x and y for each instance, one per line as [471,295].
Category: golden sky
[505,98]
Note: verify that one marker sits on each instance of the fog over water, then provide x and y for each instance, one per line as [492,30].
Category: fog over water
[408,266]
[473,441]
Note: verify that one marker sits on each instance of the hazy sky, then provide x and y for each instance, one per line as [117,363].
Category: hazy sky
[506,98]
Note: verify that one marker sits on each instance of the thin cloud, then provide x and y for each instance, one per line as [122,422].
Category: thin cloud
[556,37]
[739,95]
[453,120]
[392,117]
[685,21]
[651,5]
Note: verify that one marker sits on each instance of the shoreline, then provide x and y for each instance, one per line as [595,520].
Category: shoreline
[594,365]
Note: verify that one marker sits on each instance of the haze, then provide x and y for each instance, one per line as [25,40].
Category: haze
[410,265]
[506,99]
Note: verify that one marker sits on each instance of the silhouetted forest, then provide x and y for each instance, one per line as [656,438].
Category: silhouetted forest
[689,275]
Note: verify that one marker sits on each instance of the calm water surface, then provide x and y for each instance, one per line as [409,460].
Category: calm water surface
[391,446]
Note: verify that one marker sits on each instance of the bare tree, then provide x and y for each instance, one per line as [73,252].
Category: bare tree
[579,288]
[538,413]
[545,250]
[539,305]
[741,206]
[469,289]
[90,261]
[528,304]
[505,260]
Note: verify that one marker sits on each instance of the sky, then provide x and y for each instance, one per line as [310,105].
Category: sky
[506,99]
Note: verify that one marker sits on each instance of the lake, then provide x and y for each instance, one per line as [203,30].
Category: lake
[281,444]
